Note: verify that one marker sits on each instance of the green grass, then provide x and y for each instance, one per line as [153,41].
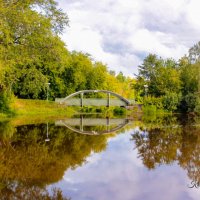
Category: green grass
[36,111]
[40,108]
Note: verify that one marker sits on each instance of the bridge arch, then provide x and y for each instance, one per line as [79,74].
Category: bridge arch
[123,123]
[82,92]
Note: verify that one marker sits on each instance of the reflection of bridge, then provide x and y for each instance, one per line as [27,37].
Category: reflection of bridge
[81,101]
[111,125]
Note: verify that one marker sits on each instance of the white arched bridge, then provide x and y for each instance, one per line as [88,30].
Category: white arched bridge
[86,125]
[112,99]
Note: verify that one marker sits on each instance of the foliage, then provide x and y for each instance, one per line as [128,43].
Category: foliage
[105,111]
[119,111]
[149,110]
[194,53]
[151,100]
[197,106]
[4,101]
[161,76]
[171,86]
[32,55]
[120,77]
[171,101]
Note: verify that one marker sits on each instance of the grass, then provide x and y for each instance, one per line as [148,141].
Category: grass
[28,111]
[39,108]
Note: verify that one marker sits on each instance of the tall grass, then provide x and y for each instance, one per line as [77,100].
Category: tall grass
[40,107]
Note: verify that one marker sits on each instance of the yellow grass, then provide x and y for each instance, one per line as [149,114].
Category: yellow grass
[27,107]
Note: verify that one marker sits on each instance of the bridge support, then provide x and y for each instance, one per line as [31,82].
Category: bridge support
[108,123]
[81,99]
[81,123]
[108,100]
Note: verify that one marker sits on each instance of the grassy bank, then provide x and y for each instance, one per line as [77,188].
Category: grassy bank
[26,111]
[27,107]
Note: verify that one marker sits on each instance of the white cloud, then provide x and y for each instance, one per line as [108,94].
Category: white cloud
[193,13]
[114,175]
[121,33]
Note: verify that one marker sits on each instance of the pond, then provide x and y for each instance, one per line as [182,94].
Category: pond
[87,158]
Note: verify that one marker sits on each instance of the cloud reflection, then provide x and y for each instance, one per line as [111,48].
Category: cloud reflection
[118,174]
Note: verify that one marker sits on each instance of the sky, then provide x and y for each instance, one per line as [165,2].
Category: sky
[122,176]
[121,33]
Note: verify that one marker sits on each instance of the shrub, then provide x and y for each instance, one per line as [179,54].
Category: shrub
[4,101]
[170,101]
[119,111]
[149,110]
[155,101]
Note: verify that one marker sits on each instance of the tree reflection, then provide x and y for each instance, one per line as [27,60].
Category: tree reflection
[28,163]
[189,157]
[169,142]
[20,191]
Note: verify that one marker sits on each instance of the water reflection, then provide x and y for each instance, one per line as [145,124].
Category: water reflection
[169,142]
[32,157]
[27,161]
[47,139]
[93,126]
[22,191]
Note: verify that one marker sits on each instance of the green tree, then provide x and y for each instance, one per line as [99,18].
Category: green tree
[190,77]
[97,77]
[194,53]
[28,40]
[160,75]
[120,77]
[77,74]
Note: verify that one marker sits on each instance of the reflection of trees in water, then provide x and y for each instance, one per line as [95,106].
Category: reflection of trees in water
[21,191]
[169,143]
[189,157]
[156,147]
[26,159]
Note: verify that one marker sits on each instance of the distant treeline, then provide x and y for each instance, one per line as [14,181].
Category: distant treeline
[170,85]
[32,55]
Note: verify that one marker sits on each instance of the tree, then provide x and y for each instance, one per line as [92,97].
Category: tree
[194,53]
[77,74]
[161,76]
[120,77]
[190,77]
[29,42]
[97,77]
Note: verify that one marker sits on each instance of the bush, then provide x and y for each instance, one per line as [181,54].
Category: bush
[149,110]
[119,111]
[170,101]
[189,102]
[155,101]
[4,102]
[197,106]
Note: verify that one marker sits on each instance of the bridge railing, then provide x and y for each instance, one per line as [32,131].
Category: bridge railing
[92,102]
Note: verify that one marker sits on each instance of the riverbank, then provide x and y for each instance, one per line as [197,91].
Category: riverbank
[26,111]
[27,107]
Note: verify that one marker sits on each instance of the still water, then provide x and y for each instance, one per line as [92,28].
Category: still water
[101,159]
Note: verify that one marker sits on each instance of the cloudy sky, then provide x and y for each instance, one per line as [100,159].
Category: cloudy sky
[112,175]
[121,33]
